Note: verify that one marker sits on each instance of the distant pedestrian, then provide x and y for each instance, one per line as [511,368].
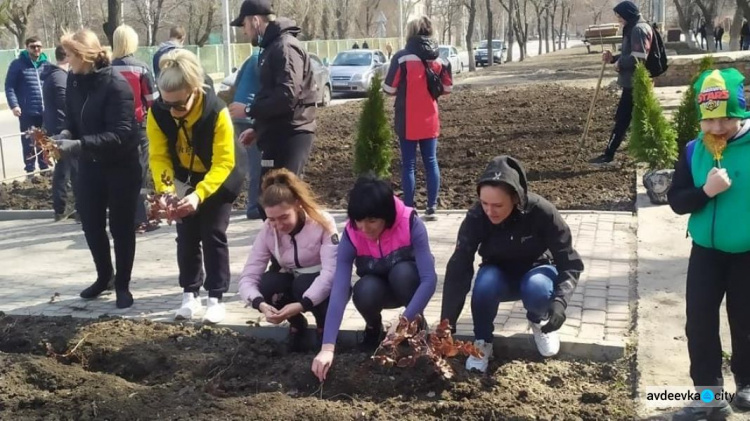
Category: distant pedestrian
[176,40]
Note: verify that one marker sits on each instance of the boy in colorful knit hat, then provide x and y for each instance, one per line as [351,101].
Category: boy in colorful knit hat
[712,183]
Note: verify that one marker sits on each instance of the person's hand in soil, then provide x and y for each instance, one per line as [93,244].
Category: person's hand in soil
[607,56]
[188,205]
[556,317]
[248,137]
[268,311]
[322,362]
[717,182]
[237,110]
[288,311]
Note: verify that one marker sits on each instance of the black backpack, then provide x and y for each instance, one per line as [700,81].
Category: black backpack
[434,83]
[656,60]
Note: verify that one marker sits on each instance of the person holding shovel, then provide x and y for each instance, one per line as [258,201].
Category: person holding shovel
[710,183]
[636,44]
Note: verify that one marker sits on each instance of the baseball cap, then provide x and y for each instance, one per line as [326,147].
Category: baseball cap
[253,8]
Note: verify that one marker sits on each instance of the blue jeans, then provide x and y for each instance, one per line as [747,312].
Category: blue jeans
[253,160]
[492,287]
[428,148]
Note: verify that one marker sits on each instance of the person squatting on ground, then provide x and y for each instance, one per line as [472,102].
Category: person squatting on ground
[416,113]
[23,91]
[191,140]
[636,44]
[388,243]
[716,194]
[284,108]
[102,133]
[125,44]
[55,78]
[247,84]
[303,240]
[527,254]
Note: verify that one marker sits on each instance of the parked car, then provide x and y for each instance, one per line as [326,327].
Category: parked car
[450,54]
[353,70]
[480,54]
[322,81]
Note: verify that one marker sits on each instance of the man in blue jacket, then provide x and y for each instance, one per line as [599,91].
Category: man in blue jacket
[247,84]
[23,90]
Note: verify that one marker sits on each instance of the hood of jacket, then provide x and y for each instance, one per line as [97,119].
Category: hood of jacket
[506,170]
[25,55]
[278,28]
[168,45]
[423,47]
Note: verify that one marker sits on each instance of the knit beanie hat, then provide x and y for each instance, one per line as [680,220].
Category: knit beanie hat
[721,94]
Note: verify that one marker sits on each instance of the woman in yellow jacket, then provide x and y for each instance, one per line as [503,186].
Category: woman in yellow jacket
[191,142]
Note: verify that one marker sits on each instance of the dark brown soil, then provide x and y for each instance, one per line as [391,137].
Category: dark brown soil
[539,124]
[125,370]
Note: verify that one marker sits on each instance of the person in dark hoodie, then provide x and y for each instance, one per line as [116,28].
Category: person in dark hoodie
[284,108]
[101,130]
[23,91]
[636,44]
[527,253]
[416,111]
[138,75]
[53,91]
[176,40]
[710,185]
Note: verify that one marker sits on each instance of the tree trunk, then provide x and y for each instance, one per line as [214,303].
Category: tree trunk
[490,52]
[708,9]
[552,25]
[511,40]
[560,33]
[114,13]
[472,6]
[546,31]
[539,28]
[734,30]
[684,17]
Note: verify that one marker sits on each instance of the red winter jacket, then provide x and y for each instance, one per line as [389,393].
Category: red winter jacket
[416,112]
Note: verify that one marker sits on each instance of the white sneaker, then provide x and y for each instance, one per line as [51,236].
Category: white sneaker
[480,364]
[548,344]
[215,311]
[191,305]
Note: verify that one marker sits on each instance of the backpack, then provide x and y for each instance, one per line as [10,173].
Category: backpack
[434,83]
[656,60]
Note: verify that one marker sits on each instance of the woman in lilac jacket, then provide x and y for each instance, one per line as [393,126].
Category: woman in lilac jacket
[301,242]
[388,244]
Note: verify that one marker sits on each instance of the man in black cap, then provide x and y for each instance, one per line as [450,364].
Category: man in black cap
[284,108]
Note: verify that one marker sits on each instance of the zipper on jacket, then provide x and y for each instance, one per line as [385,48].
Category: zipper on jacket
[380,248]
[296,257]
[83,109]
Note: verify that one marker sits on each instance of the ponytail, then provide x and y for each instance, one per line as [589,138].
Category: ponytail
[282,186]
[102,59]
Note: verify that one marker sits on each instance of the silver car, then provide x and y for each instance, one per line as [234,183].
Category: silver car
[352,70]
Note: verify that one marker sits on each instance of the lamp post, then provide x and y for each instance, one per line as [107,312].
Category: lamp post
[227,39]
[401,23]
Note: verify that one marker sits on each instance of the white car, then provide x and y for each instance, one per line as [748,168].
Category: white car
[450,54]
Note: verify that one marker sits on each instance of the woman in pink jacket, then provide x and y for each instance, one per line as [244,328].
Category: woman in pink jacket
[301,241]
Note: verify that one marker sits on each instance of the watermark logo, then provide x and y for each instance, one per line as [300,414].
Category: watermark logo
[678,396]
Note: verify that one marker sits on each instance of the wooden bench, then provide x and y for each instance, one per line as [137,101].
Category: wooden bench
[603,34]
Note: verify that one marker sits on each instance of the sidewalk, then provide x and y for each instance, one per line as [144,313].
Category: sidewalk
[42,258]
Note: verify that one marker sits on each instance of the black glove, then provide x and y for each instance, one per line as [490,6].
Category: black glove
[556,317]
[69,146]
[63,135]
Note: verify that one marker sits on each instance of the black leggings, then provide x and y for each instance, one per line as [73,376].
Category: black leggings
[372,293]
[289,289]
[623,116]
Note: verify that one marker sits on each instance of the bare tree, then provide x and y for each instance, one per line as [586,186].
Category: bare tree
[14,15]
[114,15]
[540,7]
[471,6]
[201,21]
[150,14]
[565,9]
[709,10]
[371,8]
[490,53]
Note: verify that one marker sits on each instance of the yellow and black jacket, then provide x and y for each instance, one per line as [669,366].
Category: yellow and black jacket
[216,161]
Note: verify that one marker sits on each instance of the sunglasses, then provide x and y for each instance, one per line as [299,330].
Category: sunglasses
[35,47]
[177,106]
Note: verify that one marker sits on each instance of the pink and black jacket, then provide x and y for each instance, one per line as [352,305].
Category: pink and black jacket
[405,241]
[416,111]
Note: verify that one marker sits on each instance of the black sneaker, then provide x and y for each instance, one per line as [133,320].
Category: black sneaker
[742,398]
[372,338]
[700,411]
[124,298]
[430,215]
[602,159]
[297,341]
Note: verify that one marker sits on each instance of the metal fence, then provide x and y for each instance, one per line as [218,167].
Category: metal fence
[212,56]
